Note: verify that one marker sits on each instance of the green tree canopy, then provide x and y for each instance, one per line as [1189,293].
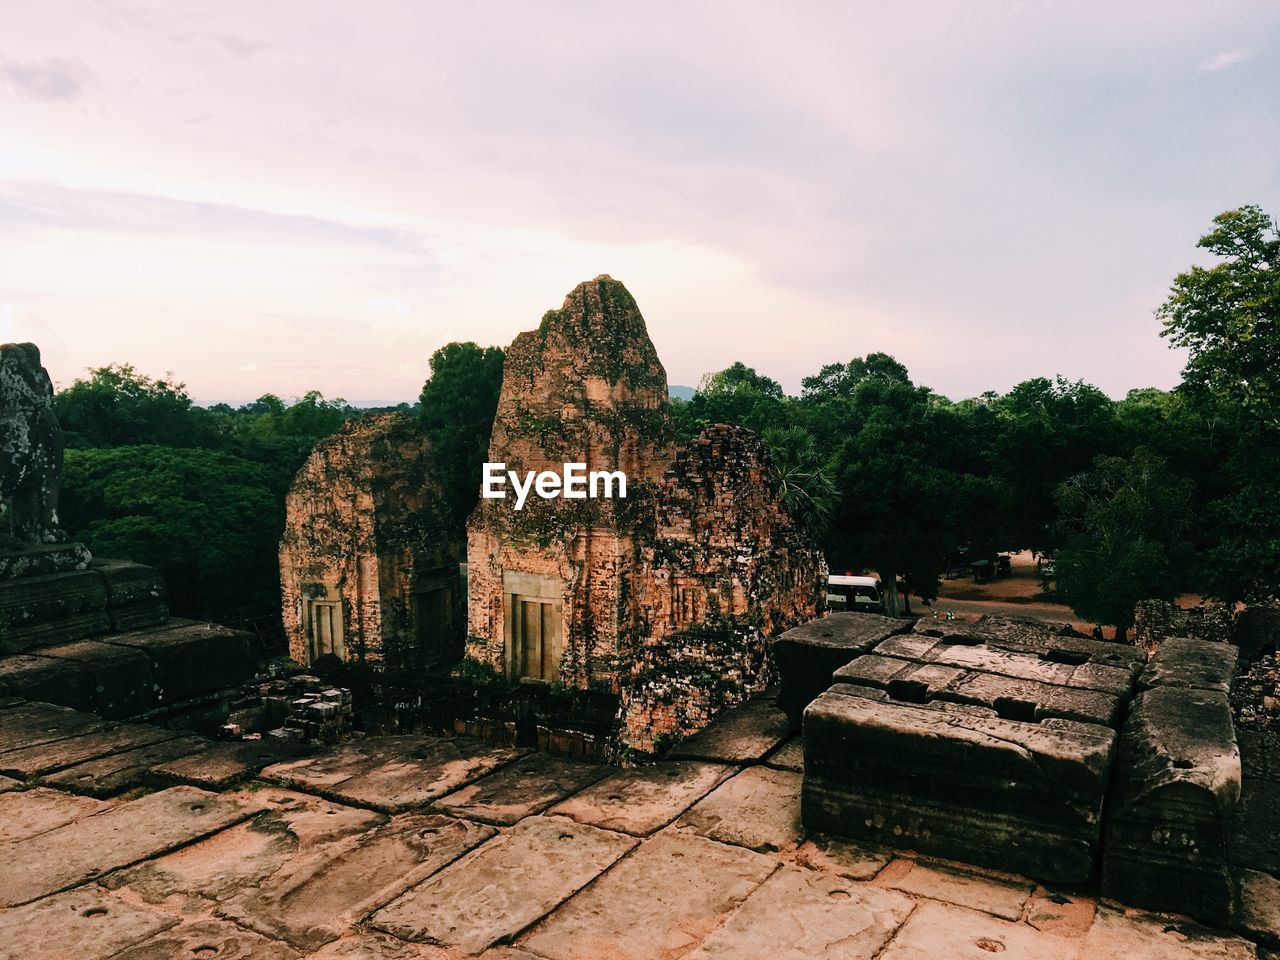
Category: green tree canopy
[118,406]
[1123,533]
[1228,315]
[457,407]
[208,520]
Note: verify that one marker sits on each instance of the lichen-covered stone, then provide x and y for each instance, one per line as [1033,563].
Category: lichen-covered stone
[30,450]
[367,543]
[1177,783]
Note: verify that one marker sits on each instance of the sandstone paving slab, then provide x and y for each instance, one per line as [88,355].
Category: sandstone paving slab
[1039,638]
[122,835]
[999,896]
[522,788]
[380,946]
[661,901]
[799,914]
[744,734]
[311,901]
[223,765]
[393,774]
[30,724]
[292,830]
[1129,934]
[8,783]
[758,809]
[504,886]
[39,810]
[843,858]
[209,938]
[937,930]
[40,759]
[116,772]
[789,756]
[644,799]
[1057,913]
[82,924]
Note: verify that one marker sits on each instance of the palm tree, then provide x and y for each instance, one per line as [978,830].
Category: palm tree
[802,477]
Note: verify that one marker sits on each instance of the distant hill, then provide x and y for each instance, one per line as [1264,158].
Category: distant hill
[680,393]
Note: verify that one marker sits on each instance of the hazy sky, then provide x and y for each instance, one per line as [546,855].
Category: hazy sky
[279,196]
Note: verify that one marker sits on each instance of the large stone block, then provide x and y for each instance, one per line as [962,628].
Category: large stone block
[957,782]
[46,680]
[1037,638]
[1009,697]
[1196,664]
[188,659]
[36,559]
[809,654]
[135,594]
[54,608]
[1177,783]
[118,679]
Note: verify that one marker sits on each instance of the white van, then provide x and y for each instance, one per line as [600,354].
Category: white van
[858,594]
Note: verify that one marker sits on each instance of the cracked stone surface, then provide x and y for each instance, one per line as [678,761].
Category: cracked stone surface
[117,837]
[644,799]
[661,901]
[680,858]
[798,914]
[758,809]
[505,886]
[523,788]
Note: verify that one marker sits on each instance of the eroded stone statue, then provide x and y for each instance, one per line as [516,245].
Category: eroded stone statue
[30,451]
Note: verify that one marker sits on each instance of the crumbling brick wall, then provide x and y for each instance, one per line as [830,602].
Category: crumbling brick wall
[365,526]
[725,569]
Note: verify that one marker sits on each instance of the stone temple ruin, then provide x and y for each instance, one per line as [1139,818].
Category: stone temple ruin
[77,630]
[665,598]
[368,570]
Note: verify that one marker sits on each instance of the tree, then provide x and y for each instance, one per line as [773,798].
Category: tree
[802,477]
[457,407]
[118,406]
[309,418]
[1048,430]
[1228,315]
[210,522]
[1122,530]
[895,493]
[737,394]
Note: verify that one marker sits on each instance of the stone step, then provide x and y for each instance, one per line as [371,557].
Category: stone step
[121,675]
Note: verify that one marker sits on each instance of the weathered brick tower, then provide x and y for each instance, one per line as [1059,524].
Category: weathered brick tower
[666,597]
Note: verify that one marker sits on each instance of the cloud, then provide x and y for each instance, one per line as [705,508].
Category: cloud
[1228,58]
[232,43]
[56,79]
[392,305]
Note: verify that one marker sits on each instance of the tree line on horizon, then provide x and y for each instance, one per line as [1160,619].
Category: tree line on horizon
[1156,494]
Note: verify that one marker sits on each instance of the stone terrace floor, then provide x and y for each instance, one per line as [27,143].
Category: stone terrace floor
[424,847]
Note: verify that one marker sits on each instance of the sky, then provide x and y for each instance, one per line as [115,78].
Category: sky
[280,196]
